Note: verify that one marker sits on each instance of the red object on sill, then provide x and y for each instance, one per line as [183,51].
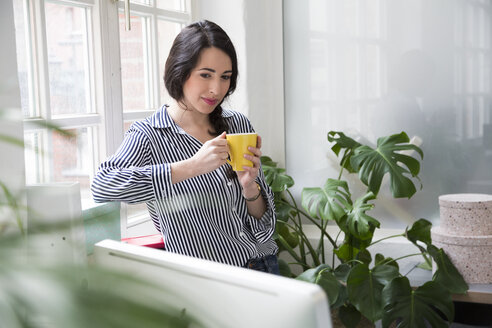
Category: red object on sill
[153,241]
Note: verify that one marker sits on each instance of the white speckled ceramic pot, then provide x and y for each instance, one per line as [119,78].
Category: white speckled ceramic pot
[472,255]
[466,214]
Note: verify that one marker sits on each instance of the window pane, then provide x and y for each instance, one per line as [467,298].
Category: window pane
[68,59]
[166,32]
[24,59]
[141,2]
[134,64]
[171,4]
[73,158]
[34,160]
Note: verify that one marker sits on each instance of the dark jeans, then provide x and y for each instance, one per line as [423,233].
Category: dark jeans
[267,264]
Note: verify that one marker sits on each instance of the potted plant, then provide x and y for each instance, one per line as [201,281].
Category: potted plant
[362,284]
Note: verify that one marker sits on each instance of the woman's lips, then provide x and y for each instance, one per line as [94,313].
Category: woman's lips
[210,101]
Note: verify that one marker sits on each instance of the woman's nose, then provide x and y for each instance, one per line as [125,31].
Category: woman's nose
[214,87]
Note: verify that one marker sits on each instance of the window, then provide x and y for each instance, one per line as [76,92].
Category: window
[56,56]
[374,68]
[67,61]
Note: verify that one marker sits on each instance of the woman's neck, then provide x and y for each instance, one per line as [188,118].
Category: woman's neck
[187,118]
[191,121]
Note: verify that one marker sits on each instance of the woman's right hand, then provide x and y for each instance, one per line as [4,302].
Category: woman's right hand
[213,154]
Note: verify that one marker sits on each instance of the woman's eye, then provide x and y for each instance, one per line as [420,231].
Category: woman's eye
[205,75]
[226,77]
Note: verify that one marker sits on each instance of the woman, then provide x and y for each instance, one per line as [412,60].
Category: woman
[175,161]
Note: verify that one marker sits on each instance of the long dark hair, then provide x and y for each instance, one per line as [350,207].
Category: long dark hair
[184,55]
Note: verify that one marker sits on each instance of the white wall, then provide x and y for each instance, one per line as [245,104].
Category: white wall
[255,27]
[11,157]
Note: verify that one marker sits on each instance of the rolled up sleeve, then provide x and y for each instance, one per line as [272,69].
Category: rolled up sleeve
[264,227]
[127,176]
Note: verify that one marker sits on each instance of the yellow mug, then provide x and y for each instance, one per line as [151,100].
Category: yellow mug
[238,146]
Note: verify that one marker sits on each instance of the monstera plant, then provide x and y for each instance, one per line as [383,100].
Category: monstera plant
[362,284]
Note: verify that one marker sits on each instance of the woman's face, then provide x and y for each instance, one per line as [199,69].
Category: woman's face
[208,82]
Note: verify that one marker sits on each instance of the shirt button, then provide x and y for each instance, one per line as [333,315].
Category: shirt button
[229,183]
[242,234]
[234,209]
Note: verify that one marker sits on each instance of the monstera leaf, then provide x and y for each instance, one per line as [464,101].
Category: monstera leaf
[322,275]
[274,176]
[346,143]
[328,203]
[373,164]
[420,231]
[447,274]
[416,308]
[357,222]
[365,287]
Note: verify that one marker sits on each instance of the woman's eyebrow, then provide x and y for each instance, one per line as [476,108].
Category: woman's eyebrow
[213,71]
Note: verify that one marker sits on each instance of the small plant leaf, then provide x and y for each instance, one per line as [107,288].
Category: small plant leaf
[420,231]
[447,274]
[328,203]
[274,176]
[373,164]
[349,315]
[365,286]
[283,210]
[343,252]
[342,271]
[345,143]
[364,256]
[380,260]
[416,308]
[284,268]
[357,222]
[322,275]
[291,237]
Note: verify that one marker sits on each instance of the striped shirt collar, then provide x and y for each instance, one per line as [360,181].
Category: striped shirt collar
[162,120]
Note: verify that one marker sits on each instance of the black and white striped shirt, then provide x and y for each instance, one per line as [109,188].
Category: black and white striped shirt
[204,216]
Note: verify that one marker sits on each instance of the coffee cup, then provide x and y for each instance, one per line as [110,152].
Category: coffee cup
[238,146]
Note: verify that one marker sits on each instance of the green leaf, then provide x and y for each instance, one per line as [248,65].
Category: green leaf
[416,308]
[420,231]
[328,203]
[373,164]
[380,259]
[284,268]
[343,252]
[345,143]
[342,271]
[292,238]
[447,274]
[322,275]
[357,222]
[364,256]
[349,316]
[342,297]
[365,286]
[274,176]
[283,210]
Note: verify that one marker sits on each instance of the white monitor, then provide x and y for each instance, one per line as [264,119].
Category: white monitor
[220,295]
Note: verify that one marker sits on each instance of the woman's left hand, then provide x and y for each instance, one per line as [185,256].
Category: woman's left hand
[248,176]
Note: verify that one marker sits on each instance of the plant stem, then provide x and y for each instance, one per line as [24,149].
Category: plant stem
[393,236]
[402,257]
[301,245]
[314,222]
